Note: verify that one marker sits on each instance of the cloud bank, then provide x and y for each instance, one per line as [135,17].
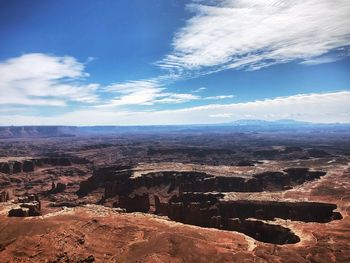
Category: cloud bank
[38,79]
[321,108]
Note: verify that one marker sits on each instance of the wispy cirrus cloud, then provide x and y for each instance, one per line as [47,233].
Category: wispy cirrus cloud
[150,92]
[253,34]
[143,92]
[219,97]
[201,89]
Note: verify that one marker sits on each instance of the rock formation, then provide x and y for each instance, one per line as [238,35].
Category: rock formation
[28,206]
[57,188]
[16,167]
[106,177]
[4,196]
[191,199]
[209,210]
[13,167]
[28,166]
[4,168]
[138,203]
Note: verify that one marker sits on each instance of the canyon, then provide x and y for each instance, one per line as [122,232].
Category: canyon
[174,197]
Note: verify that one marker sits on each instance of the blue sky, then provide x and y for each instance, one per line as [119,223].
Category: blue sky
[173,62]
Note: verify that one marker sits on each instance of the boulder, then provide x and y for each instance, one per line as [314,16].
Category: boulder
[33,208]
[19,212]
[89,259]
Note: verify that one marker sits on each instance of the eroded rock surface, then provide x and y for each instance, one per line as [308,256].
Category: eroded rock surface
[27,206]
[190,198]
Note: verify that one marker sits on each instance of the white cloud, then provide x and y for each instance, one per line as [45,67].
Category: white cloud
[150,92]
[221,115]
[139,92]
[176,98]
[134,86]
[39,79]
[219,97]
[322,108]
[201,89]
[43,80]
[321,60]
[144,92]
[252,34]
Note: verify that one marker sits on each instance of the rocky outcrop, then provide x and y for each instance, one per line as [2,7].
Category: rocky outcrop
[160,208]
[193,213]
[269,210]
[54,161]
[28,198]
[28,206]
[16,167]
[109,177]
[243,209]
[171,179]
[4,168]
[18,212]
[60,187]
[260,230]
[13,167]
[217,183]
[117,180]
[57,188]
[4,196]
[301,175]
[89,259]
[33,208]
[28,166]
[199,201]
[138,203]
[267,181]
[209,210]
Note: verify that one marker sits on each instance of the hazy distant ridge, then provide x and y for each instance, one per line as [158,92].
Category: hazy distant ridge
[236,126]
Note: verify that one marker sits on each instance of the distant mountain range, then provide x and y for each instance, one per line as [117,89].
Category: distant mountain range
[262,122]
[37,131]
[236,126]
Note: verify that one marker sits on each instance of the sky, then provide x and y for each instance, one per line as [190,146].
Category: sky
[158,62]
